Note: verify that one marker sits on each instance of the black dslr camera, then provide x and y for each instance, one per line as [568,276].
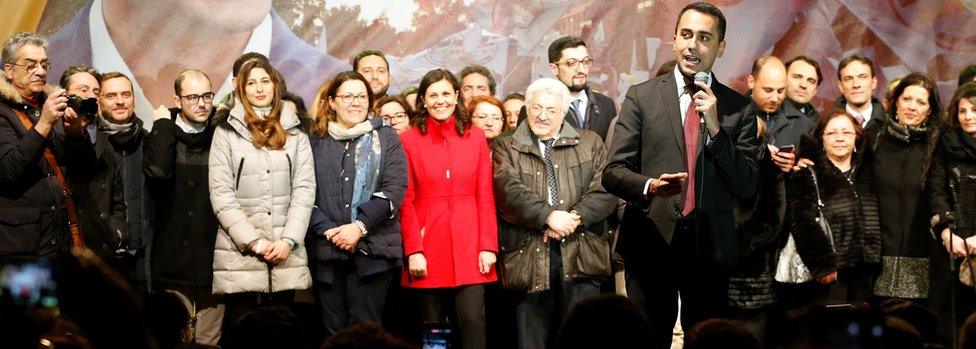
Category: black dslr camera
[84,107]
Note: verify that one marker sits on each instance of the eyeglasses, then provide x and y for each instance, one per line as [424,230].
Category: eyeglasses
[538,110]
[491,117]
[31,67]
[193,99]
[397,116]
[574,63]
[350,98]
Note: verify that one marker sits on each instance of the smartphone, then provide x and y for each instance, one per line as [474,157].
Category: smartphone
[29,285]
[787,149]
[437,336]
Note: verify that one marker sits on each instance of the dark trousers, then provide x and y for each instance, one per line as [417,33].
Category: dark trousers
[539,314]
[679,267]
[466,304]
[951,300]
[239,304]
[351,299]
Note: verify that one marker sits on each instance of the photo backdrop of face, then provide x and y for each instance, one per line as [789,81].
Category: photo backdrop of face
[311,40]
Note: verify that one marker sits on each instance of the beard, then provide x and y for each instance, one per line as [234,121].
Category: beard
[576,88]
[381,92]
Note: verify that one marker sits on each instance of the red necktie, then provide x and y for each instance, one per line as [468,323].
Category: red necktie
[692,129]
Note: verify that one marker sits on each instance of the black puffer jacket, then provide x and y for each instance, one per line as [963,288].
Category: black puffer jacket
[850,207]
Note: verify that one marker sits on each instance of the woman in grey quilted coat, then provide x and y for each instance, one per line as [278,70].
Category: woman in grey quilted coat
[262,186]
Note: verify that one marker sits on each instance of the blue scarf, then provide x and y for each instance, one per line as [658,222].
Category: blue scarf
[367,159]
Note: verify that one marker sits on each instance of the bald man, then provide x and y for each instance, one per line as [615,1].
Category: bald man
[783,126]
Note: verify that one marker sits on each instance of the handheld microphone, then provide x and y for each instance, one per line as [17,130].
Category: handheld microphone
[701,77]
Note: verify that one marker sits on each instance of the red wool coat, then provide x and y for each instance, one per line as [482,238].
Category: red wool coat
[449,196]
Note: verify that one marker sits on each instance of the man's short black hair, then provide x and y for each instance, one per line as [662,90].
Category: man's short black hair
[968,74]
[366,53]
[854,58]
[75,69]
[807,60]
[707,9]
[514,96]
[557,47]
[244,58]
[477,69]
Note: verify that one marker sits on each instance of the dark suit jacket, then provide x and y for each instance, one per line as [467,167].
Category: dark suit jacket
[649,141]
[600,111]
[303,66]
[878,114]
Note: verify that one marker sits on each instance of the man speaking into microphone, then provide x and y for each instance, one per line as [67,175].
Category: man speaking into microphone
[679,157]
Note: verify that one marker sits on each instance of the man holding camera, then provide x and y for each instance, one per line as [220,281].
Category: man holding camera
[42,143]
[100,196]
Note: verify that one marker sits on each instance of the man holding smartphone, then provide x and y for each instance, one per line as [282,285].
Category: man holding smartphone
[783,126]
[42,142]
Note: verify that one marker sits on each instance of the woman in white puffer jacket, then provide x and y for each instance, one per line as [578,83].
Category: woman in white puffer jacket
[262,186]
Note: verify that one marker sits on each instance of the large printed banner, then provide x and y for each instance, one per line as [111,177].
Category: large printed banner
[311,40]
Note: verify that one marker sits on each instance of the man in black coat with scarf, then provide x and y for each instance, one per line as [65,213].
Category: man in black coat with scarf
[177,151]
[118,124]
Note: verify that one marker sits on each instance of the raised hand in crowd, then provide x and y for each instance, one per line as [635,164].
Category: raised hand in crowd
[160,113]
[51,112]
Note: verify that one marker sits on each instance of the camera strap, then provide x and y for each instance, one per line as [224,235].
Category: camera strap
[77,240]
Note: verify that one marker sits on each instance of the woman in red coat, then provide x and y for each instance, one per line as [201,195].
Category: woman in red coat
[450,235]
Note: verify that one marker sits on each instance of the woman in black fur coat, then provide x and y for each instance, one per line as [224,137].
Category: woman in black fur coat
[844,273]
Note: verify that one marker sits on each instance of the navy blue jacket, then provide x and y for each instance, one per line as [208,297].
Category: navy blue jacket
[382,247]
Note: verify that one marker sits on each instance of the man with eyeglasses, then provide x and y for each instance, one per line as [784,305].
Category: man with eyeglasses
[119,127]
[175,164]
[570,62]
[42,145]
[100,197]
